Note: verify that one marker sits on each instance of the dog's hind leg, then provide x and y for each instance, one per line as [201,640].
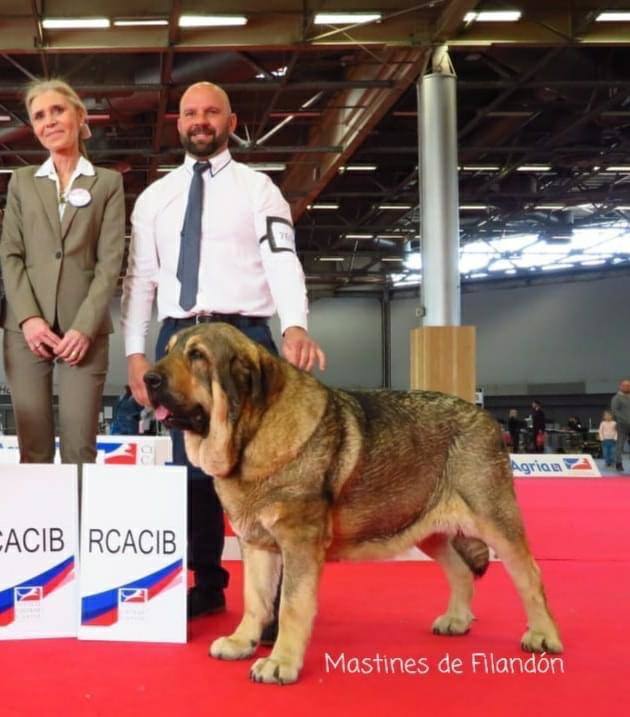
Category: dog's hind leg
[262,572]
[458,616]
[505,533]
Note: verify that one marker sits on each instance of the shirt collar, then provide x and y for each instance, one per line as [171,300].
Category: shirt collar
[216,163]
[84,166]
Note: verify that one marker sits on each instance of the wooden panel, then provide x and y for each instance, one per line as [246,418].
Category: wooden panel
[443,359]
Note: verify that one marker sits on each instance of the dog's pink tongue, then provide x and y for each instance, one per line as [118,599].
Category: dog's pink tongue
[162,413]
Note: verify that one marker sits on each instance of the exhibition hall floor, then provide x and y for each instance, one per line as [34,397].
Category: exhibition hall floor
[372,651]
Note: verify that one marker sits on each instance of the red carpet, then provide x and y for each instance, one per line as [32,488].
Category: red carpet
[578,529]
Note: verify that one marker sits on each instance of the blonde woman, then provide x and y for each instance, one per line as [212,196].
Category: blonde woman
[61,253]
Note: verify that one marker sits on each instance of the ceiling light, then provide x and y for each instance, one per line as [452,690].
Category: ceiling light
[493,16]
[6,170]
[550,207]
[212,20]
[155,22]
[323,206]
[609,16]
[330,258]
[593,262]
[534,168]
[167,168]
[391,236]
[358,168]
[268,166]
[345,18]
[359,236]
[481,168]
[392,258]
[76,23]
[403,207]
[618,168]
[623,207]
[5,118]
[473,207]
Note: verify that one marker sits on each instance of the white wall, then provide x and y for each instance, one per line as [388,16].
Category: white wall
[554,333]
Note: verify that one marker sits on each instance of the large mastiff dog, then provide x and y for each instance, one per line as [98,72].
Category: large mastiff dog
[307,473]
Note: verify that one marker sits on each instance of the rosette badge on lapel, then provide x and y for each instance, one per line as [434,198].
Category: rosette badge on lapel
[79,197]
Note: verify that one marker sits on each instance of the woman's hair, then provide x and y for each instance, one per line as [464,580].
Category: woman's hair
[37,87]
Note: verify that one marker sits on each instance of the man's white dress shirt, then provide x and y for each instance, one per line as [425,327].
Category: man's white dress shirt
[248,262]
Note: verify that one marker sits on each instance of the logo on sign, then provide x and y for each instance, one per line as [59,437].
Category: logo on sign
[577,464]
[28,603]
[536,466]
[133,604]
[133,595]
[118,453]
[27,593]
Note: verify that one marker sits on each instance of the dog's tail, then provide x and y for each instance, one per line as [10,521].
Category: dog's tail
[474,553]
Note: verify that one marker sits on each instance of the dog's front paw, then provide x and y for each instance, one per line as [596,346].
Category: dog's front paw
[452,625]
[270,670]
[536,641]
[232,648]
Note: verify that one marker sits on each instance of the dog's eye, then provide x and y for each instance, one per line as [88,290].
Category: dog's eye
[195,355]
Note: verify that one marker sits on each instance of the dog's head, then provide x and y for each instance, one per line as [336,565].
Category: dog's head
[213,383]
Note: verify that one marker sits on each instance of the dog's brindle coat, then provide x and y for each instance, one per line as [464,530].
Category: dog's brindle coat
[308,473]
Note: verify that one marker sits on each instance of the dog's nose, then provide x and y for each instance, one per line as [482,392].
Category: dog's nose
[153,379]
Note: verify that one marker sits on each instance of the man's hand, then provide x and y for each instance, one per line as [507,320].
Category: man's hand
[299,349]
[137,366]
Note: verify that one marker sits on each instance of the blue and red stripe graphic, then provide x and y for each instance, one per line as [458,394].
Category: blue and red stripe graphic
[47,581]
[102,608]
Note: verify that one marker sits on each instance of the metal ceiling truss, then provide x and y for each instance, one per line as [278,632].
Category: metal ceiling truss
[551,89]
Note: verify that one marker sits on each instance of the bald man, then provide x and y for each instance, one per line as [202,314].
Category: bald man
[244,270]
[620,406]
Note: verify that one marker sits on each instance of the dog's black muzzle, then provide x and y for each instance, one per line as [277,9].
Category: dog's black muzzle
[194,418]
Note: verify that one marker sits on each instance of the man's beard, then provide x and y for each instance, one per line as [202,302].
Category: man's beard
[203,149]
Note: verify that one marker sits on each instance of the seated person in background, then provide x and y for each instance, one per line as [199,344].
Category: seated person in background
[127,411]
[574,424]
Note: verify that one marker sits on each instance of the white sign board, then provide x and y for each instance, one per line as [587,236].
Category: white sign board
[111,450]
[38,551]
[554,465]
[133,553]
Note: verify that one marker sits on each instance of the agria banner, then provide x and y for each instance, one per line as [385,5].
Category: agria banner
[38,551]
[133,553]
[554,465]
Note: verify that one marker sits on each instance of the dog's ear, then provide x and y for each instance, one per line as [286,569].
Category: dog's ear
[216,453]
[252,379]
[269,379]
[238,383]
[227,373]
